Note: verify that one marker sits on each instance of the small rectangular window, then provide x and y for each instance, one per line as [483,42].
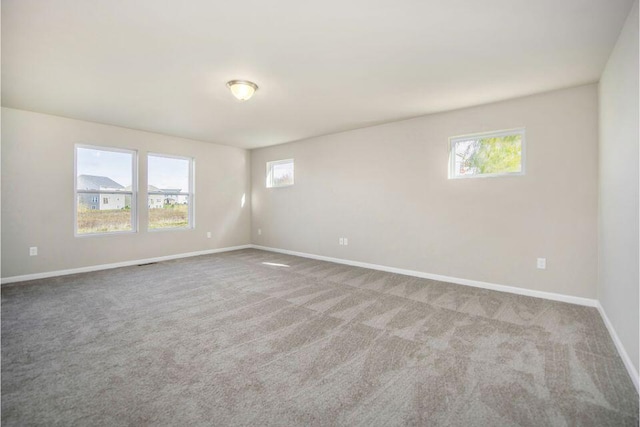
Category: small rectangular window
[280,173]
[109,175]
[487,154]
[170,192]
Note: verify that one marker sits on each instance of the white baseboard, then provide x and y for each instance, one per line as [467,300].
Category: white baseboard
[35,276]
[467,282]
[621,351]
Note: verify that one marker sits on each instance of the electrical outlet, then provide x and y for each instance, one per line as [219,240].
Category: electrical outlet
[33,251]
[542,263]
[208,234]
[341,240]
[259,231]
[346,241]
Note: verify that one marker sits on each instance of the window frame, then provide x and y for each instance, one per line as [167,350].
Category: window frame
[269,175]
[491,134]
[191,212]
[133,193]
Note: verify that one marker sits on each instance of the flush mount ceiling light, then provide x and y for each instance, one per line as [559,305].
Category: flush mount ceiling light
[242,89]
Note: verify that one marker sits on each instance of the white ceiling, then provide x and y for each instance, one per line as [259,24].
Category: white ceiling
[322,67]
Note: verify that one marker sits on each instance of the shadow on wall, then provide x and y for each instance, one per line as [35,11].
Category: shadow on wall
[231,220]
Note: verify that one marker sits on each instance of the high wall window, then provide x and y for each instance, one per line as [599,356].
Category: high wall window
[170,192]
[487,154]
[106,175]
[280,173]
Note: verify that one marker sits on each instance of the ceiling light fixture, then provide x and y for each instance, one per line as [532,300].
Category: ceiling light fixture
[242,89]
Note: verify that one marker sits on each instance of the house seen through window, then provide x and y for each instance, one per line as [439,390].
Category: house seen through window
[105,190]
[170,192]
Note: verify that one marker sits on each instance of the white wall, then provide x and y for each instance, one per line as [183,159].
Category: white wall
[386,189]
[618,276]
[38,196]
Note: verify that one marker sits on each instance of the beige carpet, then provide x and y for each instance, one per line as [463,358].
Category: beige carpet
[237,339]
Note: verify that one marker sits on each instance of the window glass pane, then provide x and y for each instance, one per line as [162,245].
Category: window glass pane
[280,173]
[96,216]
[104,186]
[487,155]
[103,170]
[169,179]
[168,174]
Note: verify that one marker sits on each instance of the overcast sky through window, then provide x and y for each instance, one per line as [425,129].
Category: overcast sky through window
[164,172]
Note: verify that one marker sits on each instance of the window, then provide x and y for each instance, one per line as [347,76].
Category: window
[280,173]
[170,192]
[487,154]
[107,174]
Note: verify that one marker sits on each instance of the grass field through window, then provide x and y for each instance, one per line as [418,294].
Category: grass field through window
[106,221]
[170,216]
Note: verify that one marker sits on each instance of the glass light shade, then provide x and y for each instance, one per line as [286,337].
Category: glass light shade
[242,89]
